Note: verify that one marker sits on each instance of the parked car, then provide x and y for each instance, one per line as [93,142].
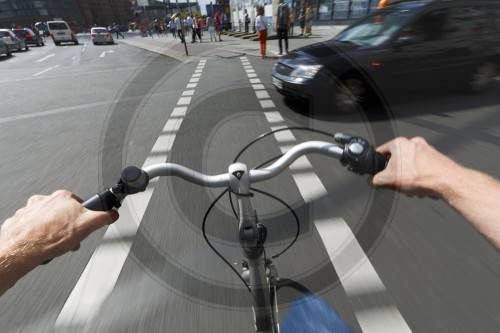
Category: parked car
[30,36]
[100,35]
[61,33]
[13,42]
[4,49]
[408,46]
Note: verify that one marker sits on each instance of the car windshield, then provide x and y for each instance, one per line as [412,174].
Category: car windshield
[374,29]
[100,31]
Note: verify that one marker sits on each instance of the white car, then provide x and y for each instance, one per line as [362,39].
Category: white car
[4,49]
[100,35]
[12,41]
[61,33]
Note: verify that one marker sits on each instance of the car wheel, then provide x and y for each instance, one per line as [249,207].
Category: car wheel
[351,92]
[76,42]
[9,54]
[26,48]
[482,76]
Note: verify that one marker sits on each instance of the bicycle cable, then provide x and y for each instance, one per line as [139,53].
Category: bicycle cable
[210,244]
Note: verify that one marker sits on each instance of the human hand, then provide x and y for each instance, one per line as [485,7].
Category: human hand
[414,168]
[50,226]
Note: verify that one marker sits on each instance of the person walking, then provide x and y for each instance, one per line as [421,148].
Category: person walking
[211,28]
[178,26]
[117,30]
[195,28]
[291,22]
[302,18]
[261,24]
[247,21]
[309,18]
[282,22]
[218,25]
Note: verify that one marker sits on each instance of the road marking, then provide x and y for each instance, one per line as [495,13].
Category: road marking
[46,57]
[354,269]
[46,70]
[15,59]
[103,269]
[103,54]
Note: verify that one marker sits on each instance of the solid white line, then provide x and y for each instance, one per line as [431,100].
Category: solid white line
[46,70]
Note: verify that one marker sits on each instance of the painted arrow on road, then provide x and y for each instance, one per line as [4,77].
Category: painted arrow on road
[104,53]
[46,57]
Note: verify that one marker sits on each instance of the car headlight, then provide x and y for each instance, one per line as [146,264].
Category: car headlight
[306,72]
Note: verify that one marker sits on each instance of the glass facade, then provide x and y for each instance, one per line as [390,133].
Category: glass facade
[24,12]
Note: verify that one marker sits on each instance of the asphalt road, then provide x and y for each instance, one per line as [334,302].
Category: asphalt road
[413,265]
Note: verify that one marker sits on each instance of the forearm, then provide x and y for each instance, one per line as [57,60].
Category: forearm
[16,261]
[476,196]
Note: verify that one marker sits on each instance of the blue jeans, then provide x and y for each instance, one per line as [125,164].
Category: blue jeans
[310,314]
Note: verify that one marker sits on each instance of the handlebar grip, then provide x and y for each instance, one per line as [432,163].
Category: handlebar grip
[360,157]
[106,200]
[379,162]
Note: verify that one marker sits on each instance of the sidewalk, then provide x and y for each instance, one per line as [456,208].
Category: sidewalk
[229,47]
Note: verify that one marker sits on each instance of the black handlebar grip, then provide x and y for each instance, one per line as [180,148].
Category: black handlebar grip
[106,200]
[379,162]
[360,157]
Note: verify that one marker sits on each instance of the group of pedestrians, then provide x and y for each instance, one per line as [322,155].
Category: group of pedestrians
[193,25]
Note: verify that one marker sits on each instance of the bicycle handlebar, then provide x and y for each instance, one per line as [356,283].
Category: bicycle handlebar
[354,152]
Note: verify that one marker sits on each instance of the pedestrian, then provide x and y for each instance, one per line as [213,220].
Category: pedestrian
[178,26]
[201,23]
[189,24]
[195,29]
[218,25]
[309,18]
[171,26]
[117,30]
[291,22]
[261,23]
[247,21]
[302,18]
[211,28]
[282,23]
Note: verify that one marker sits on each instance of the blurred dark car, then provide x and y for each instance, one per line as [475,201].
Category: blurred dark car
[31,37]
[409,46]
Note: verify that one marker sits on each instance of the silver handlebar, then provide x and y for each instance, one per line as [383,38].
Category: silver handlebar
[256,175]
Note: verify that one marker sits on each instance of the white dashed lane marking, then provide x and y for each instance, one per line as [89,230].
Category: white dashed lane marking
[102,271]
[357,274]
